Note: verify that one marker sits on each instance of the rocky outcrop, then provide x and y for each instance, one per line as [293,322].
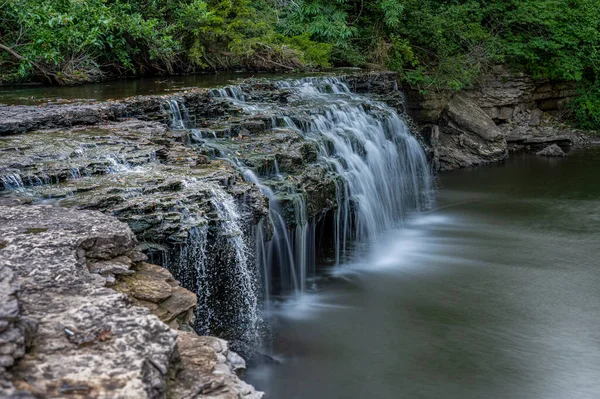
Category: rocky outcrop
[20,119]
[182,171]
[154,288]
[467,136]
[66,334]
[527,112]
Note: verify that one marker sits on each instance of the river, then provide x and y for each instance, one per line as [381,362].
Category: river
[494,293]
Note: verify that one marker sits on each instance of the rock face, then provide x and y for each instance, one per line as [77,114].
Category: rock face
[552,151]
[65,333]
[527,112]
[468,136]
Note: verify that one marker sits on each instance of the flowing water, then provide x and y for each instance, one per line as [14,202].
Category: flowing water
[383,170]
[493,293]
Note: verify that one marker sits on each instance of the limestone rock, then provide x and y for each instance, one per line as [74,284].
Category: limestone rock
[552,151]
[468,136]
[90,341]
[210,370]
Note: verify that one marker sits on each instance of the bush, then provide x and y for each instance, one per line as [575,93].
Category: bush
[586,107]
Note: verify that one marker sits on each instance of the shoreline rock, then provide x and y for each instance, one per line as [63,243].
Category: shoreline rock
[90,340]
[552,151]
[527,112]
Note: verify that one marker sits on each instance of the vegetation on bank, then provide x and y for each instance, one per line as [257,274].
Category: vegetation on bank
[432,43]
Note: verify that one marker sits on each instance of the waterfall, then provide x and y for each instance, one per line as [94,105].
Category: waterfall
[178,114]
[291,251]
[384,171]
[383,176]
[242,297]
[233,92]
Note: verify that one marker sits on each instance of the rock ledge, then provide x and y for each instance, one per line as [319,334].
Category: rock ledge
[64,333]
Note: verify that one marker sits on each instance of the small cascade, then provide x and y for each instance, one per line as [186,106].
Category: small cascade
[12,182]
[179,114]
[290,250]
[232,92]
[326,84]
[117,164]
[242,299]
[193,253]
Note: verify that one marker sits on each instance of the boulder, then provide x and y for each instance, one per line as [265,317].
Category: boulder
[552,151]
[467,136]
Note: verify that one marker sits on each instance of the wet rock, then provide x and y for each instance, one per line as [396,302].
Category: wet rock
[552,151]
[20,119]
[210,370]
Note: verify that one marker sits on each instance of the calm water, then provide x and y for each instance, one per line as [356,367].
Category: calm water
[493,294]
[34,94]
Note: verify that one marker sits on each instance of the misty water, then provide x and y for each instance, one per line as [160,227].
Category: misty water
[493,293]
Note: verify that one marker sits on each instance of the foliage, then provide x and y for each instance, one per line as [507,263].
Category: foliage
[586,107]
[71,41]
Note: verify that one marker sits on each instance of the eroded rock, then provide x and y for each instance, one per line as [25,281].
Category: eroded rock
[90,341]
[467,136]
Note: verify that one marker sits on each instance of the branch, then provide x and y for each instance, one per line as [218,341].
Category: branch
[49,76]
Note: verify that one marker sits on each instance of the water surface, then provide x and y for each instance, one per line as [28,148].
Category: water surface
[495,293]
[115,89]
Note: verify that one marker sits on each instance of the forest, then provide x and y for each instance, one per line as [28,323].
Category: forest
[432,44]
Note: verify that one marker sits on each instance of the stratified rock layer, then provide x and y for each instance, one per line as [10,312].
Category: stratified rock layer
[470,137]
[65,334]
[527,112]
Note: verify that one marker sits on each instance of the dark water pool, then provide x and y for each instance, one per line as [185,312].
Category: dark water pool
[495,293]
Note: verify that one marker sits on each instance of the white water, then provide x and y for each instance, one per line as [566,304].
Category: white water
[12,182]
[240,267]
[178,114]
[384,173]
[384,176]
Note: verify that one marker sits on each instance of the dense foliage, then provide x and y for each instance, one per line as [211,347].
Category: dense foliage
[432,43]
[69,41]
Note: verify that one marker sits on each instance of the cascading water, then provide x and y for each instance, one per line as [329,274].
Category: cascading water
[240,303]
[291,250]
[12,182]
[382,174]
[383,169]
[178,114]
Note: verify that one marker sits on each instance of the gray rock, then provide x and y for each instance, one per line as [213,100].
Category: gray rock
[552,151]
[90,340]
[467,136]
[535,117]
